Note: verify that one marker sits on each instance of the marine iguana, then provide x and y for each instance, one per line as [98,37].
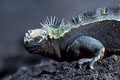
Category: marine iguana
[86,37]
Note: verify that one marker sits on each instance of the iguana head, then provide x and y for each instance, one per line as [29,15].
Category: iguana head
[38,41]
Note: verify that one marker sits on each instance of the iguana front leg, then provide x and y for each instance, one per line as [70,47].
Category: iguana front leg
[84,44]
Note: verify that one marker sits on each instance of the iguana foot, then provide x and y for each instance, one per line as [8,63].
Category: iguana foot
[92,61]
[100,55]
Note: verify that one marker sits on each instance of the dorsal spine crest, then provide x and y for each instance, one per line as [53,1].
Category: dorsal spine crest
[57,29]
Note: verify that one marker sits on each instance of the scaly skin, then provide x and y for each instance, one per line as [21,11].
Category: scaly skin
[86,38]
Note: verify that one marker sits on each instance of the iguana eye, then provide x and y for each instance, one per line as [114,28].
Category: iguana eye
[38,39]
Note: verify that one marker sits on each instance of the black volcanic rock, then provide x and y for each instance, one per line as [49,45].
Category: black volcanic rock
[106,69]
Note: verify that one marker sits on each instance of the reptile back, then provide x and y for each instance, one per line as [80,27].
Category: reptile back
[106,31]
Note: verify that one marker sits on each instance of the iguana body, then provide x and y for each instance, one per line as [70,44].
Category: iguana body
[85,38]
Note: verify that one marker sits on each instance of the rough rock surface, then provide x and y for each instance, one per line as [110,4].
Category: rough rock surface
[105,69]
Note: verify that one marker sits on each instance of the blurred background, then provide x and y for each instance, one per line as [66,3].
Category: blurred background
[17,16]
